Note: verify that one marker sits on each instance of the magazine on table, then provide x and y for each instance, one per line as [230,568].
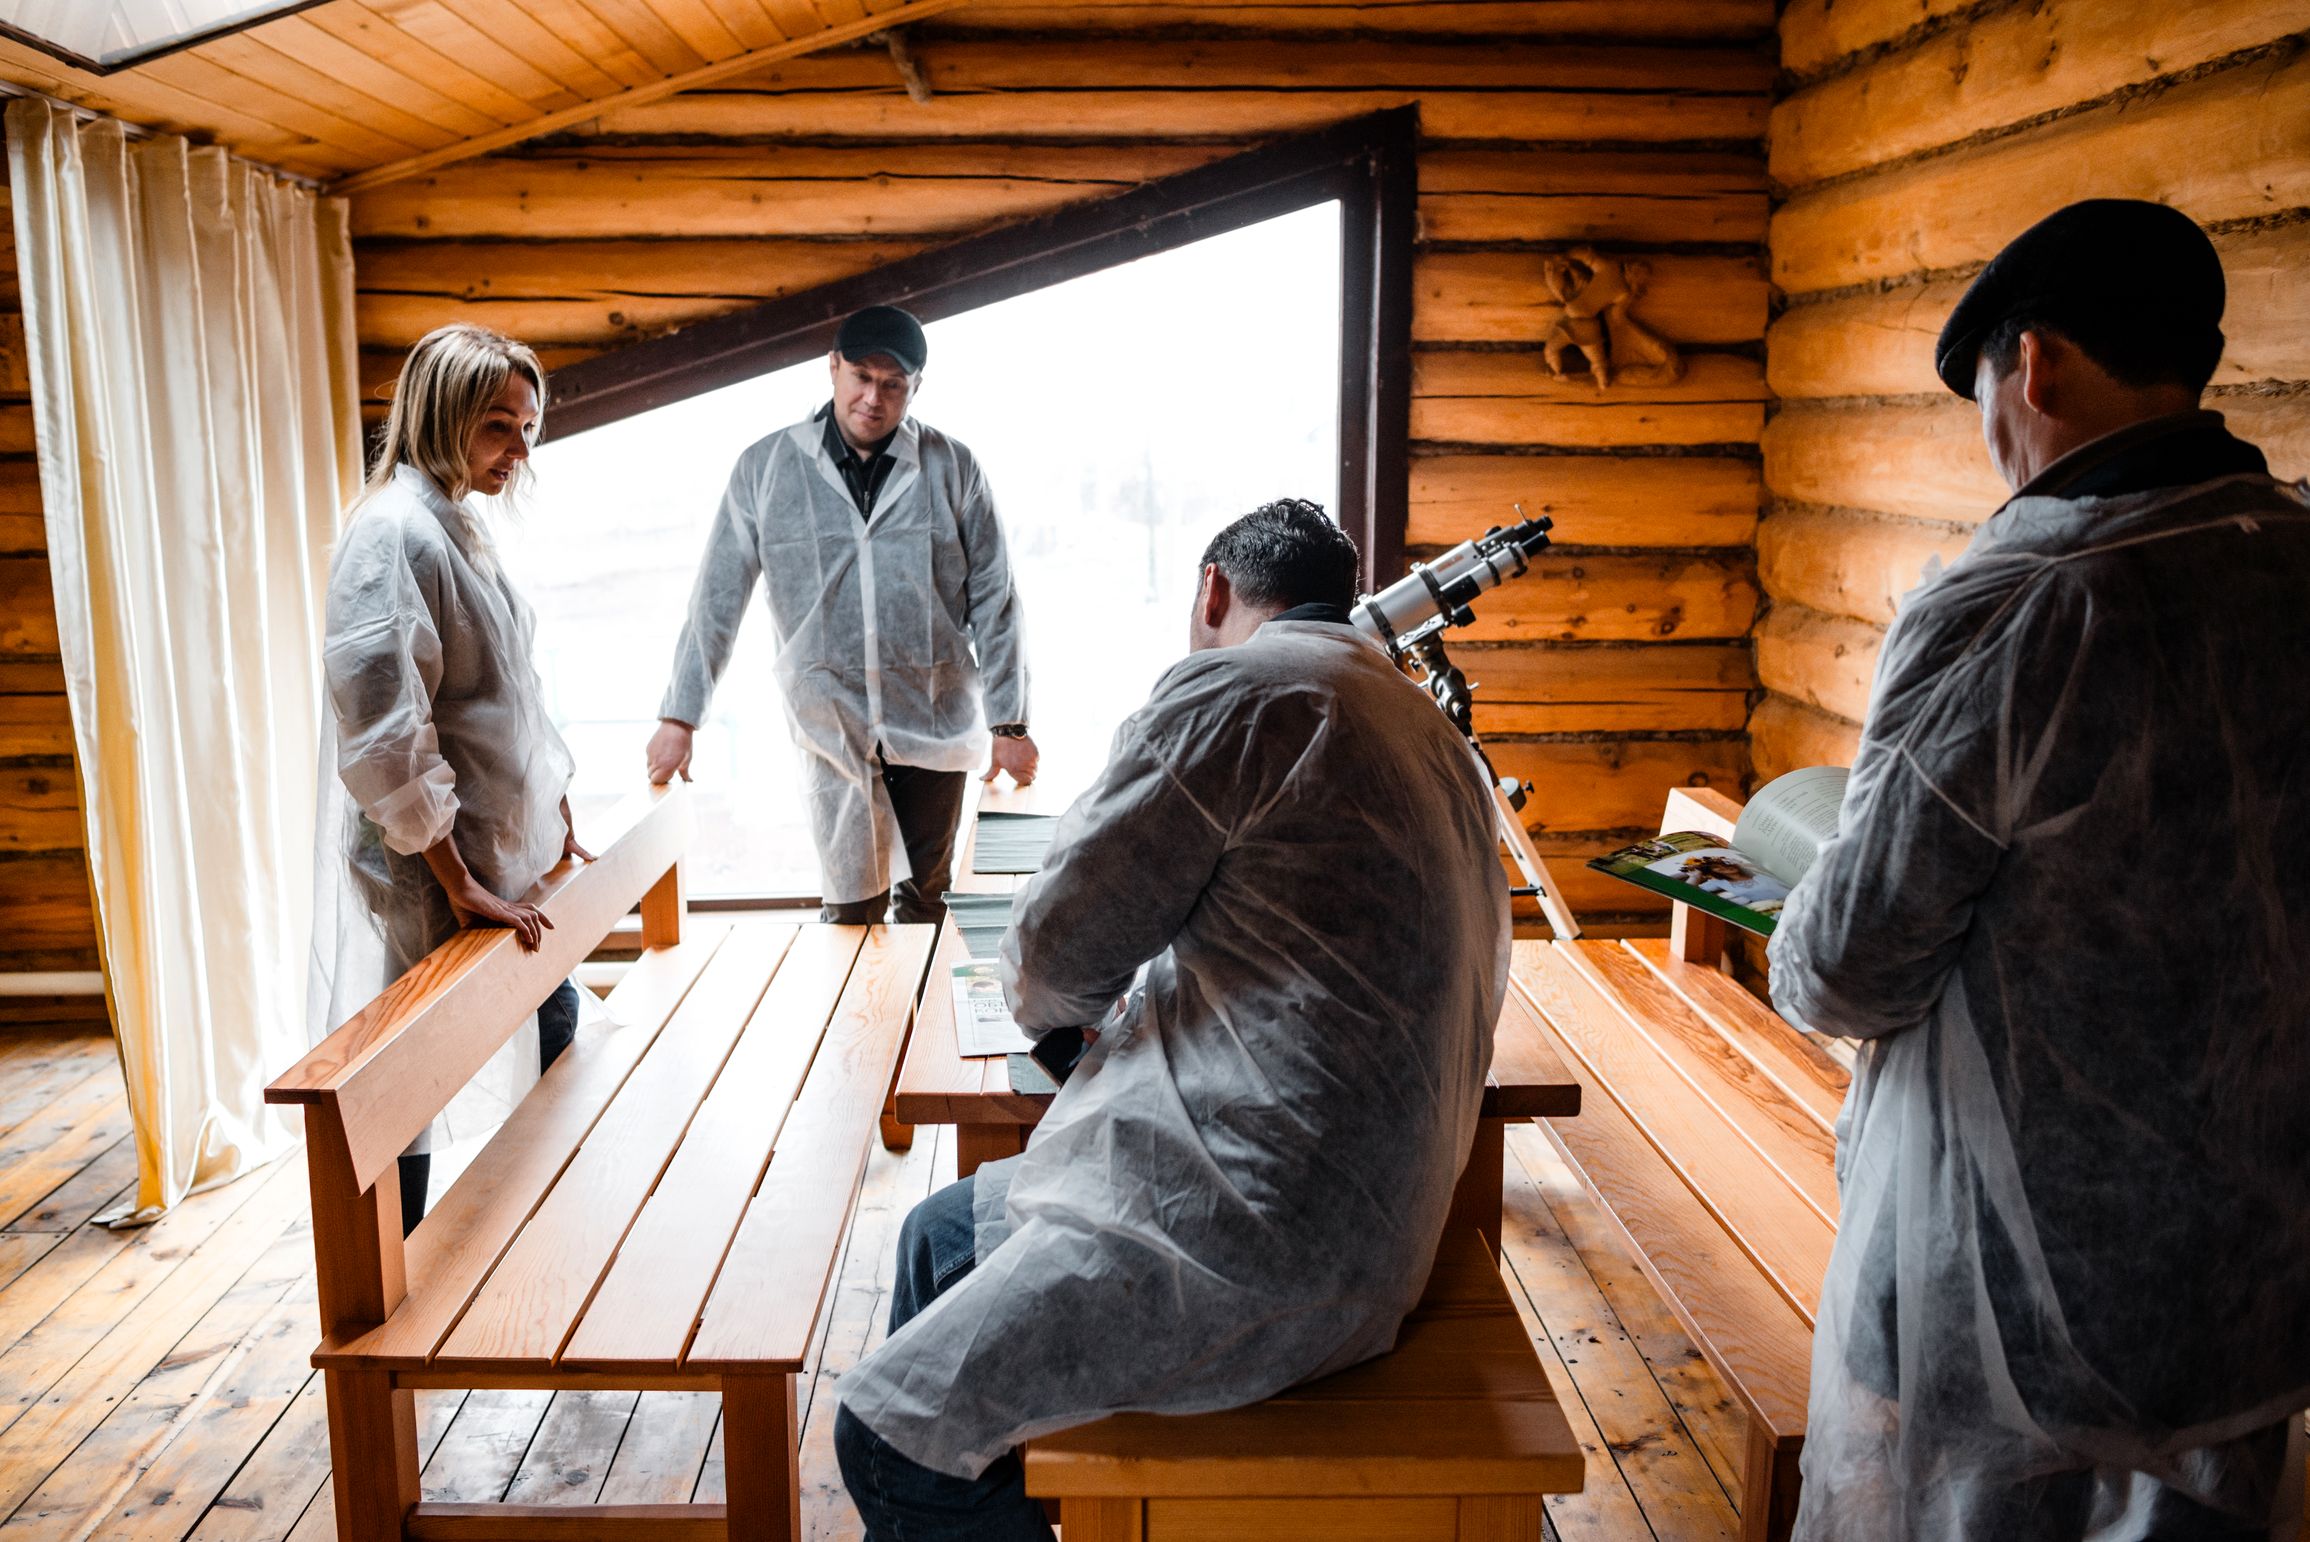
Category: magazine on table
[983,1025]
[1747,879]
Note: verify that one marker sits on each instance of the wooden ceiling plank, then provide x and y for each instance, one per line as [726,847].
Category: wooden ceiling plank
[699,23]
[749,22]
[1685,19]
[839,13]
[194,72]
[795,18]
[567,41]
[644,24]
[300,39]
[355,24]
[447,32]
[270,68]
[563,118]
[138,99]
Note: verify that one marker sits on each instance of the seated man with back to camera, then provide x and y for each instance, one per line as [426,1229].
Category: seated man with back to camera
[1243,1183]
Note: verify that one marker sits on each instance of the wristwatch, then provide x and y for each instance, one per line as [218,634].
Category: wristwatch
[1009,730]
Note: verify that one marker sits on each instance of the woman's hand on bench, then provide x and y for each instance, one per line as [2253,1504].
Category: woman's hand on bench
[474,905]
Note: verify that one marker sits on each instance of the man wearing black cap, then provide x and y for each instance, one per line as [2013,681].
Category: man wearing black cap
[2070,1295]
[900,642]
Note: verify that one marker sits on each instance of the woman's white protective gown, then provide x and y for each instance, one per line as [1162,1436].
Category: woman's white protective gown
[1242,1185]
[440,727]
[2072,1276]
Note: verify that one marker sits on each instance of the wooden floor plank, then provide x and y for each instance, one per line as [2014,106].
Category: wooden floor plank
[571,1454]
[71,1376]
[117,1410]
[42,1071]
[85,1195]
[47,1149]
[484,1445]
[663,1450]
[1657,1457]
[1678,1367]
[278,1477]
[20,1251]
[435,1411]
[231,1418]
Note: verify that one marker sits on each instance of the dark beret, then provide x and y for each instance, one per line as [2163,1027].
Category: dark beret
[2105,260]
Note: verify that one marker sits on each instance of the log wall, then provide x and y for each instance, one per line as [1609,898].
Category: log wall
[1624,667]
[46,921]
[1913,139]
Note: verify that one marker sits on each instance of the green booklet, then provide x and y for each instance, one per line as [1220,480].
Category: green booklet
[1747,879]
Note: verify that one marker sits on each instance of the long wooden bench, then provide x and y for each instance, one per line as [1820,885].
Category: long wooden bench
[1453,1436]
[663,1210]
[1706,1132]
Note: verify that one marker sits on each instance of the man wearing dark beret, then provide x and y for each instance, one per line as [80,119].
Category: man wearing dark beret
[2070,1295]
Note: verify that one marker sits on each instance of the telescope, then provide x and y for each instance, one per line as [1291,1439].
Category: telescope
[1409,618]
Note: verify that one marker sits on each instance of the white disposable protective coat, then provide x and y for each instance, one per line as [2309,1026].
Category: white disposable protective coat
[2075,1162]
[1243,1184]
[892,631]
[440,729]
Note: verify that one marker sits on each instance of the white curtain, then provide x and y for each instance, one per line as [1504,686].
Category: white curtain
[189,320]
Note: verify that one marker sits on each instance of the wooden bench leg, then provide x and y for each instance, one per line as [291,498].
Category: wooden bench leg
[978,1144]
[373,1454]
[1476,1201]
[761,1459]
[1103,1520]
[1498,1518]
[1769,1485]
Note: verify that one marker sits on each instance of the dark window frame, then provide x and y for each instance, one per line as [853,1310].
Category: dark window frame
[1368,165]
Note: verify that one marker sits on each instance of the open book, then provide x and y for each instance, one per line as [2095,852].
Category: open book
[1746,880]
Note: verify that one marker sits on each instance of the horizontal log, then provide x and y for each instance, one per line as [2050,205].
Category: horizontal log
[1848,564]
[1667,115]
[1492,297]
[2006,68]
[1588,597]
[1817,34]
[15,364]
[1697,20]
[1590,893]
[962,66]
[27,607]
[1592,195]
[2231,145]
[19,485]
[1785,735]
[23,535]
[16,433]
[2280,425]
[601,293]
[1826,662]
[36,724]
[1613,784]
[31,675]
[894,190]
[1541,690]
[1881,344]
[44,903]
[1510,398]
[1595,500]
[39,809]
[1922,461]
[376,369]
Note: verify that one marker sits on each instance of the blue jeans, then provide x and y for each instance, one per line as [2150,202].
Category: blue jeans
[900,1499]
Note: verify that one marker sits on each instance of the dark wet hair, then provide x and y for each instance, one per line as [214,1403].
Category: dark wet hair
[1286,553]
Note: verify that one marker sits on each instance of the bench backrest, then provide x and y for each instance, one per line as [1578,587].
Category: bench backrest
[1694,935]
[373,1086]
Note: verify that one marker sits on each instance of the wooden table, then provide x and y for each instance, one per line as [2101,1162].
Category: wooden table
[937,1085]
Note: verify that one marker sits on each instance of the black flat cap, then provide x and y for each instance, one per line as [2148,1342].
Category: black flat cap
[2106,259]
[883,329]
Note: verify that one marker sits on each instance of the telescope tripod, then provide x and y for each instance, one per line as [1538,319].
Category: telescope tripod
[1444,681]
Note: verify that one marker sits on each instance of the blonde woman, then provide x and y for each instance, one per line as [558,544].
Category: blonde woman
[458,779]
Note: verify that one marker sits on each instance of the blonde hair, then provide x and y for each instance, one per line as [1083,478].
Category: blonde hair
[446,388]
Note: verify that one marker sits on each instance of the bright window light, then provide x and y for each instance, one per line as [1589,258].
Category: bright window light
[117,32]
[1122,419]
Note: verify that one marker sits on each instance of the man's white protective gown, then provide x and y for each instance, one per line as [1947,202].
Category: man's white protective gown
[892,631]
[2062,912]
[1243,1184]
[440,726]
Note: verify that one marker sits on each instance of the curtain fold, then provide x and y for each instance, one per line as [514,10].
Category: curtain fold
[189,324]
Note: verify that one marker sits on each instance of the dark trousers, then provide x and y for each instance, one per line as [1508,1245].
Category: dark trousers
[556,1027]
[928,805]
[900,1499]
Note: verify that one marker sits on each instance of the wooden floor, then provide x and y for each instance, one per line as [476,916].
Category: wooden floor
[154,1385]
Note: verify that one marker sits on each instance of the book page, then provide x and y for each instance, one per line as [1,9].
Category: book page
[1789,820]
